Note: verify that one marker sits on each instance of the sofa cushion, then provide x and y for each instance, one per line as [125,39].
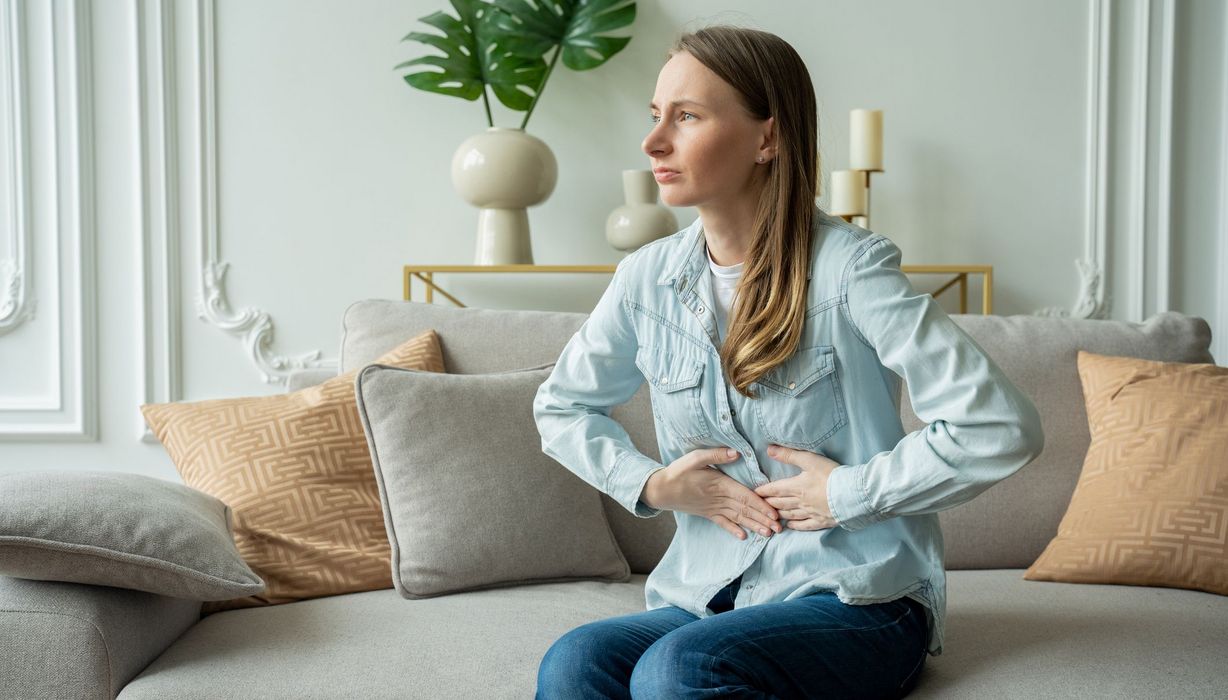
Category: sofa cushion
[71,640]
[470,501]
[1006,638]
[1151,505]
[495,340]
[473,341]
[296,471]
[1009,525]
[122,530]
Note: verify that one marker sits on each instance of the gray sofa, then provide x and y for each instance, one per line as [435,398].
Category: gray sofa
[1006,637]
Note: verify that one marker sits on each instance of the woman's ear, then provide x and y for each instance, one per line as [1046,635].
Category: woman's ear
[767,147]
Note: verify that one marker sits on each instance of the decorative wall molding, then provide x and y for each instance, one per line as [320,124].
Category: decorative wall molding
[1094,300]
[69,409]
[1219,345]
[1136,208]
[1124,179]
[161,332]
[17,302]
[1148,280]
[252,325]
[1164,179]
[1149,285]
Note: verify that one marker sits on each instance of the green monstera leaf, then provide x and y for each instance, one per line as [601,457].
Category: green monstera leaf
[573,25]
[474,55]
[503,44]
[533,27]
[516,80]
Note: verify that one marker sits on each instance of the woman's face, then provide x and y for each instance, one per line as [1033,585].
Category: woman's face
[702,132]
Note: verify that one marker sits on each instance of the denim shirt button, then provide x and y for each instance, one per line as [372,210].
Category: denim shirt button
[792,384]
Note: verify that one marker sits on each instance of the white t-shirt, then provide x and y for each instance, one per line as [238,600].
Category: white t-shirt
[724,284]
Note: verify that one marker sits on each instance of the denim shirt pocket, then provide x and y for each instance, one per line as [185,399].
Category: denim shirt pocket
[675,382]
[800,403]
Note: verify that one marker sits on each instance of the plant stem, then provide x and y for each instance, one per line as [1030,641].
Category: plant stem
[486,102]
[542,88]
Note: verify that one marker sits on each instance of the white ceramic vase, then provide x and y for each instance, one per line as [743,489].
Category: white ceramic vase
[503,172]
[642,219]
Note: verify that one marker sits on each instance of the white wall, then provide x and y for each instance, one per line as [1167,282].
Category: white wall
[141,139]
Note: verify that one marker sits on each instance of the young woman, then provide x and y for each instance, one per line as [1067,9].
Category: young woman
[774,338]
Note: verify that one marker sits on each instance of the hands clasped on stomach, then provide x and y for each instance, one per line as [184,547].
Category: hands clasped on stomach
[690,486]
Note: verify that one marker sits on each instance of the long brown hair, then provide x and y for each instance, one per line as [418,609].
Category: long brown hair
[765,324]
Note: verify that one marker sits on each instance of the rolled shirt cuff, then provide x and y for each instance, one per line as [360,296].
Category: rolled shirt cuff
[846,498]
[627,480]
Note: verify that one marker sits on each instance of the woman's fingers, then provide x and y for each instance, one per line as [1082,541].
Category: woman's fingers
[798,458]
[729,525]
[781,503]
[745,515]
[800,515]
[741,507]
[743,519]
[700,459]
[813,523]
[753,510]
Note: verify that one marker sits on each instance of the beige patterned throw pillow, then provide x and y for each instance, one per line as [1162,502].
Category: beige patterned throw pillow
[296,471]
[1151,505]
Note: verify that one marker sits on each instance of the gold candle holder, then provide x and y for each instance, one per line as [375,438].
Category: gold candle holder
[865,153]
[850,207]
[863,220]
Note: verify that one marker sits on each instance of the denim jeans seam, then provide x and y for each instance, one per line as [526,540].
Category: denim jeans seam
[925,643]
[916,667]
[896,621]
[716,656]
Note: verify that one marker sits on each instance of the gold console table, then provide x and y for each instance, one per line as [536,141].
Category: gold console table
[426,274]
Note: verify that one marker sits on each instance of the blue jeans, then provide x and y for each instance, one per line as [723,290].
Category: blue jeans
[810,647]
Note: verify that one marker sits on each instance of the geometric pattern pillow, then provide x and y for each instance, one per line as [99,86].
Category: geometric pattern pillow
[1151,504]
[296,472]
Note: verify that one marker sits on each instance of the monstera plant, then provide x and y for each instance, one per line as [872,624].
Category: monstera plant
[504,44]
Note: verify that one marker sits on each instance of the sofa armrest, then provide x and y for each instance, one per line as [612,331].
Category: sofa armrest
[71,640]
[303,378]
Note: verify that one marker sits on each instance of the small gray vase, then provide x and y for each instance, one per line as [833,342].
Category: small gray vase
[642,219]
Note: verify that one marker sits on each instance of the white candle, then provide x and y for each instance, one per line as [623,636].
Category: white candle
[848,193]
[866,139]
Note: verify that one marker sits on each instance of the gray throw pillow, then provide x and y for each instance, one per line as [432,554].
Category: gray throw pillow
[120,530]
[470,500]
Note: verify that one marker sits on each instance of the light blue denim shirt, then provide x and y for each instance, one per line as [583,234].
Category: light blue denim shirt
[837,395]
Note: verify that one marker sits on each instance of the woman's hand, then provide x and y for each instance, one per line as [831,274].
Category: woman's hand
[801,499]
[690,486]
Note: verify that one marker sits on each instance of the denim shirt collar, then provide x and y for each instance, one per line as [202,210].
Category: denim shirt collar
[690,260]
